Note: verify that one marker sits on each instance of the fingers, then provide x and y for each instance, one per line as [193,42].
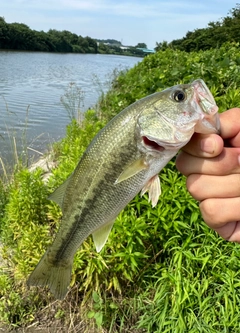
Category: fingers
[206,186]
[222,215]
[230,125]
[218,212]
[212,166]
[203,145]
[228,162]
[211,145]
[230,231]
[234,235]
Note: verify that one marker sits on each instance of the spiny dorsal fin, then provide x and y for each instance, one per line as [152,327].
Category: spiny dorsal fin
[100,236]
[132,169]
[58,195]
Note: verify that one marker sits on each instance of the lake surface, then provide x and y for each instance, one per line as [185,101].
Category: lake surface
[31,86]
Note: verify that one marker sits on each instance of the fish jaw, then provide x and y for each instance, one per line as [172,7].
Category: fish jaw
[209,121]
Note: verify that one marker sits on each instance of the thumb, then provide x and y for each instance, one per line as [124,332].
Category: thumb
[204,145]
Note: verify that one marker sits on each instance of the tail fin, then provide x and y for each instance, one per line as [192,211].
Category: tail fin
[57,277]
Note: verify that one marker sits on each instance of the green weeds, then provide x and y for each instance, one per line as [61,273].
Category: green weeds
[72,100]
[219,68]
[162,269]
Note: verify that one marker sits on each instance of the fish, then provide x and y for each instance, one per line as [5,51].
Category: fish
[123,159]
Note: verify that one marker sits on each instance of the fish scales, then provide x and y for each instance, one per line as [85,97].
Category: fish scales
[123,159]
[99,196]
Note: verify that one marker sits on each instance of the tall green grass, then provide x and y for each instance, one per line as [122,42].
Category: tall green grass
[219,68]
[162,269]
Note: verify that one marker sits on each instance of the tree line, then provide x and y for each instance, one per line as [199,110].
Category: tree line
[18,36]
[225,30]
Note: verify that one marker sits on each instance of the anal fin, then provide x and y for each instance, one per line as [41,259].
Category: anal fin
[100,235]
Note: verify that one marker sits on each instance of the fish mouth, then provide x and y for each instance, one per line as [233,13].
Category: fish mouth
[204,97]
[209,122]
[160,146]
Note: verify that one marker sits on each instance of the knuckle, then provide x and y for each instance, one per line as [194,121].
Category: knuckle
[181,163]
[193,186]
[209,209]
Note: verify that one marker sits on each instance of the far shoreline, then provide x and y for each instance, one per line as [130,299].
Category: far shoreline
[87,53]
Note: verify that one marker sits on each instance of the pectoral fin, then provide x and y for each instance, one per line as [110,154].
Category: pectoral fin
[154,190]
[58,194]
[100,236]
[132,170]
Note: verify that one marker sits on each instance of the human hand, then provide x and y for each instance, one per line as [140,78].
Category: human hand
[212,166]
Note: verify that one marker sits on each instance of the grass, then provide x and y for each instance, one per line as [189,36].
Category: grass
[162,269]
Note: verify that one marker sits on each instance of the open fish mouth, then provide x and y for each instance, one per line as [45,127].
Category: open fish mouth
[204,97]
[210,117]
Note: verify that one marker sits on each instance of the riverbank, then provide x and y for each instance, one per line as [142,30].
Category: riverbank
[161,269]
[46,163]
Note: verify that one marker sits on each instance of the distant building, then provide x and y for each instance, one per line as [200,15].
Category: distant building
[145,50]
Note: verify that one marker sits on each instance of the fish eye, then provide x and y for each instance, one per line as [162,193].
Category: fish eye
[179,96]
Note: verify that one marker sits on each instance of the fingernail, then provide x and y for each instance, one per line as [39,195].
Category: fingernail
[208,145]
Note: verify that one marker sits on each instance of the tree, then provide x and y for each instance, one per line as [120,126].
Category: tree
[141,46]
[227,29]
[161,46]
[92,45]
[3,33]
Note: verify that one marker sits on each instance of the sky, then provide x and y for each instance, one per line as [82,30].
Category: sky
[130,22]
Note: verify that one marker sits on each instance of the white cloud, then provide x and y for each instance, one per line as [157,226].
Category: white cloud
[131,8]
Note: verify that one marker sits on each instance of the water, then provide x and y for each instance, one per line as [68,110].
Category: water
[31,86]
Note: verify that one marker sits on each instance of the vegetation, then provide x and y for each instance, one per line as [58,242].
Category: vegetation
[162,269]
[18,36]
[216,34]
[218,67]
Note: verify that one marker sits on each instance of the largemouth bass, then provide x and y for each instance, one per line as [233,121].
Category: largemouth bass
[124,158]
